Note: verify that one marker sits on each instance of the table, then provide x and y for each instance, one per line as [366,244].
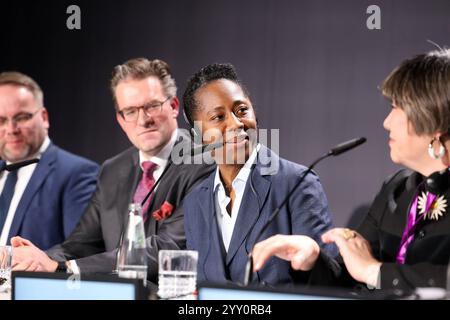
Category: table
[5,295]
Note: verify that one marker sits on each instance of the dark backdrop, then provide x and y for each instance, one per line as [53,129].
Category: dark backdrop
[312,68]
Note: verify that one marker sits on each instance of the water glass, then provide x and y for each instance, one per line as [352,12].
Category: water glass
[177,274]
[5,268]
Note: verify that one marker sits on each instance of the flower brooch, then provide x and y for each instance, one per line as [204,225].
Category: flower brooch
[437,208]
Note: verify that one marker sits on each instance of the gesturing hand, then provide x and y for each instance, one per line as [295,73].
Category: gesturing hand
[302,251]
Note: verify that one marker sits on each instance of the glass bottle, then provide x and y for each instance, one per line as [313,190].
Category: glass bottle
[132,257]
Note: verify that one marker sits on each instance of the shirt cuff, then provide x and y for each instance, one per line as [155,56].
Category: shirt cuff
[374,277]
[74,267]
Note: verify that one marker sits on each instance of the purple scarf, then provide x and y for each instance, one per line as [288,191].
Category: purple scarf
[413,220]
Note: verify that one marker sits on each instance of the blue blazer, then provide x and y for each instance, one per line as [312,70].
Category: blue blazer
[55,198]
[306,213]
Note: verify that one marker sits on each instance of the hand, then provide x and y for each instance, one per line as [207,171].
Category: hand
[357,254]
[19,242]
[302,251]
[3,257]
[28,257]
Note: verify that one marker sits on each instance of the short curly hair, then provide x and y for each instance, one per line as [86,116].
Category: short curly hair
[206,75]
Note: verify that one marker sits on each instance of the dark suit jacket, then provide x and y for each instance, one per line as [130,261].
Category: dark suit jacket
[95,240]
[427,256]
[305,213]
[55,198]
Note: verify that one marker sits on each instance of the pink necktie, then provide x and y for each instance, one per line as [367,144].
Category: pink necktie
[144,186]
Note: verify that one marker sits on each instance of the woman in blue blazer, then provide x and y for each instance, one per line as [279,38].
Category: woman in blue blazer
[225,214]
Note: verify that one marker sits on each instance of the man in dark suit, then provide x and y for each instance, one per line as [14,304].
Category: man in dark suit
[144,93]
[42,202]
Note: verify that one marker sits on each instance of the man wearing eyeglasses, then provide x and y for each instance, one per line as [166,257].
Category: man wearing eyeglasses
[144,94]
[42,202]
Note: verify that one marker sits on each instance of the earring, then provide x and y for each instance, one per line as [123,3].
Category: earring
[431,152]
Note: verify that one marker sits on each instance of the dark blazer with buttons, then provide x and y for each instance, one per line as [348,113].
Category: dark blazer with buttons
[94,242]
[305,213]
[427,256]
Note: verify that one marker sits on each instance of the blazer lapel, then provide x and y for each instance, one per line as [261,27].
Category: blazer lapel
[215,252]
[158,197]
[162,192]
[43,168]
[249,211]
[212,244]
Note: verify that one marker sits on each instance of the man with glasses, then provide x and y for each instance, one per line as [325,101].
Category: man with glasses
[42,202]
[144,94]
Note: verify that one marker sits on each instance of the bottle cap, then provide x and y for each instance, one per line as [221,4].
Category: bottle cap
[135,207]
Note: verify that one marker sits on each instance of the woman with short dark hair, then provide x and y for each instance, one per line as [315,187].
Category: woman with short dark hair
[225,215]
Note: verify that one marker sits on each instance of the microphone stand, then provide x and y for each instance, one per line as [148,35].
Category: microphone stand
[333,152]
[249,266]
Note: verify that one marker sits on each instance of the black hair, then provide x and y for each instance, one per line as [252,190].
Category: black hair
[206,75]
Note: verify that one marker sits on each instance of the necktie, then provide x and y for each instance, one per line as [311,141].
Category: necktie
[144,186]
[6,196]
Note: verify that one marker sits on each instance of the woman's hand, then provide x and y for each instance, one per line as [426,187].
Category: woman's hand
[357,254]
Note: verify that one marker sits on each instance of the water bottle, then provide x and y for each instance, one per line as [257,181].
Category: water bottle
[132,257]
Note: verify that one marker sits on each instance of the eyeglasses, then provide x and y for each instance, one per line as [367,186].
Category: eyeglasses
[19,120]
[131,114]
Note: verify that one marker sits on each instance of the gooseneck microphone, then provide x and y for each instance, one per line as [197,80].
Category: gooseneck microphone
[16,165]
[340,148]
[345,146]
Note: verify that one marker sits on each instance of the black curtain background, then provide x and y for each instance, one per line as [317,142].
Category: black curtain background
[312,68]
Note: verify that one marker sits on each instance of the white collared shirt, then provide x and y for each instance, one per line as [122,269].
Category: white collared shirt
[23,177]
[225,221]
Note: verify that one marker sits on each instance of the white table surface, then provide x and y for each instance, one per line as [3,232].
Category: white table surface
[5,295]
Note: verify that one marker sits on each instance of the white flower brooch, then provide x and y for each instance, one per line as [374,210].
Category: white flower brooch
[437,208]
